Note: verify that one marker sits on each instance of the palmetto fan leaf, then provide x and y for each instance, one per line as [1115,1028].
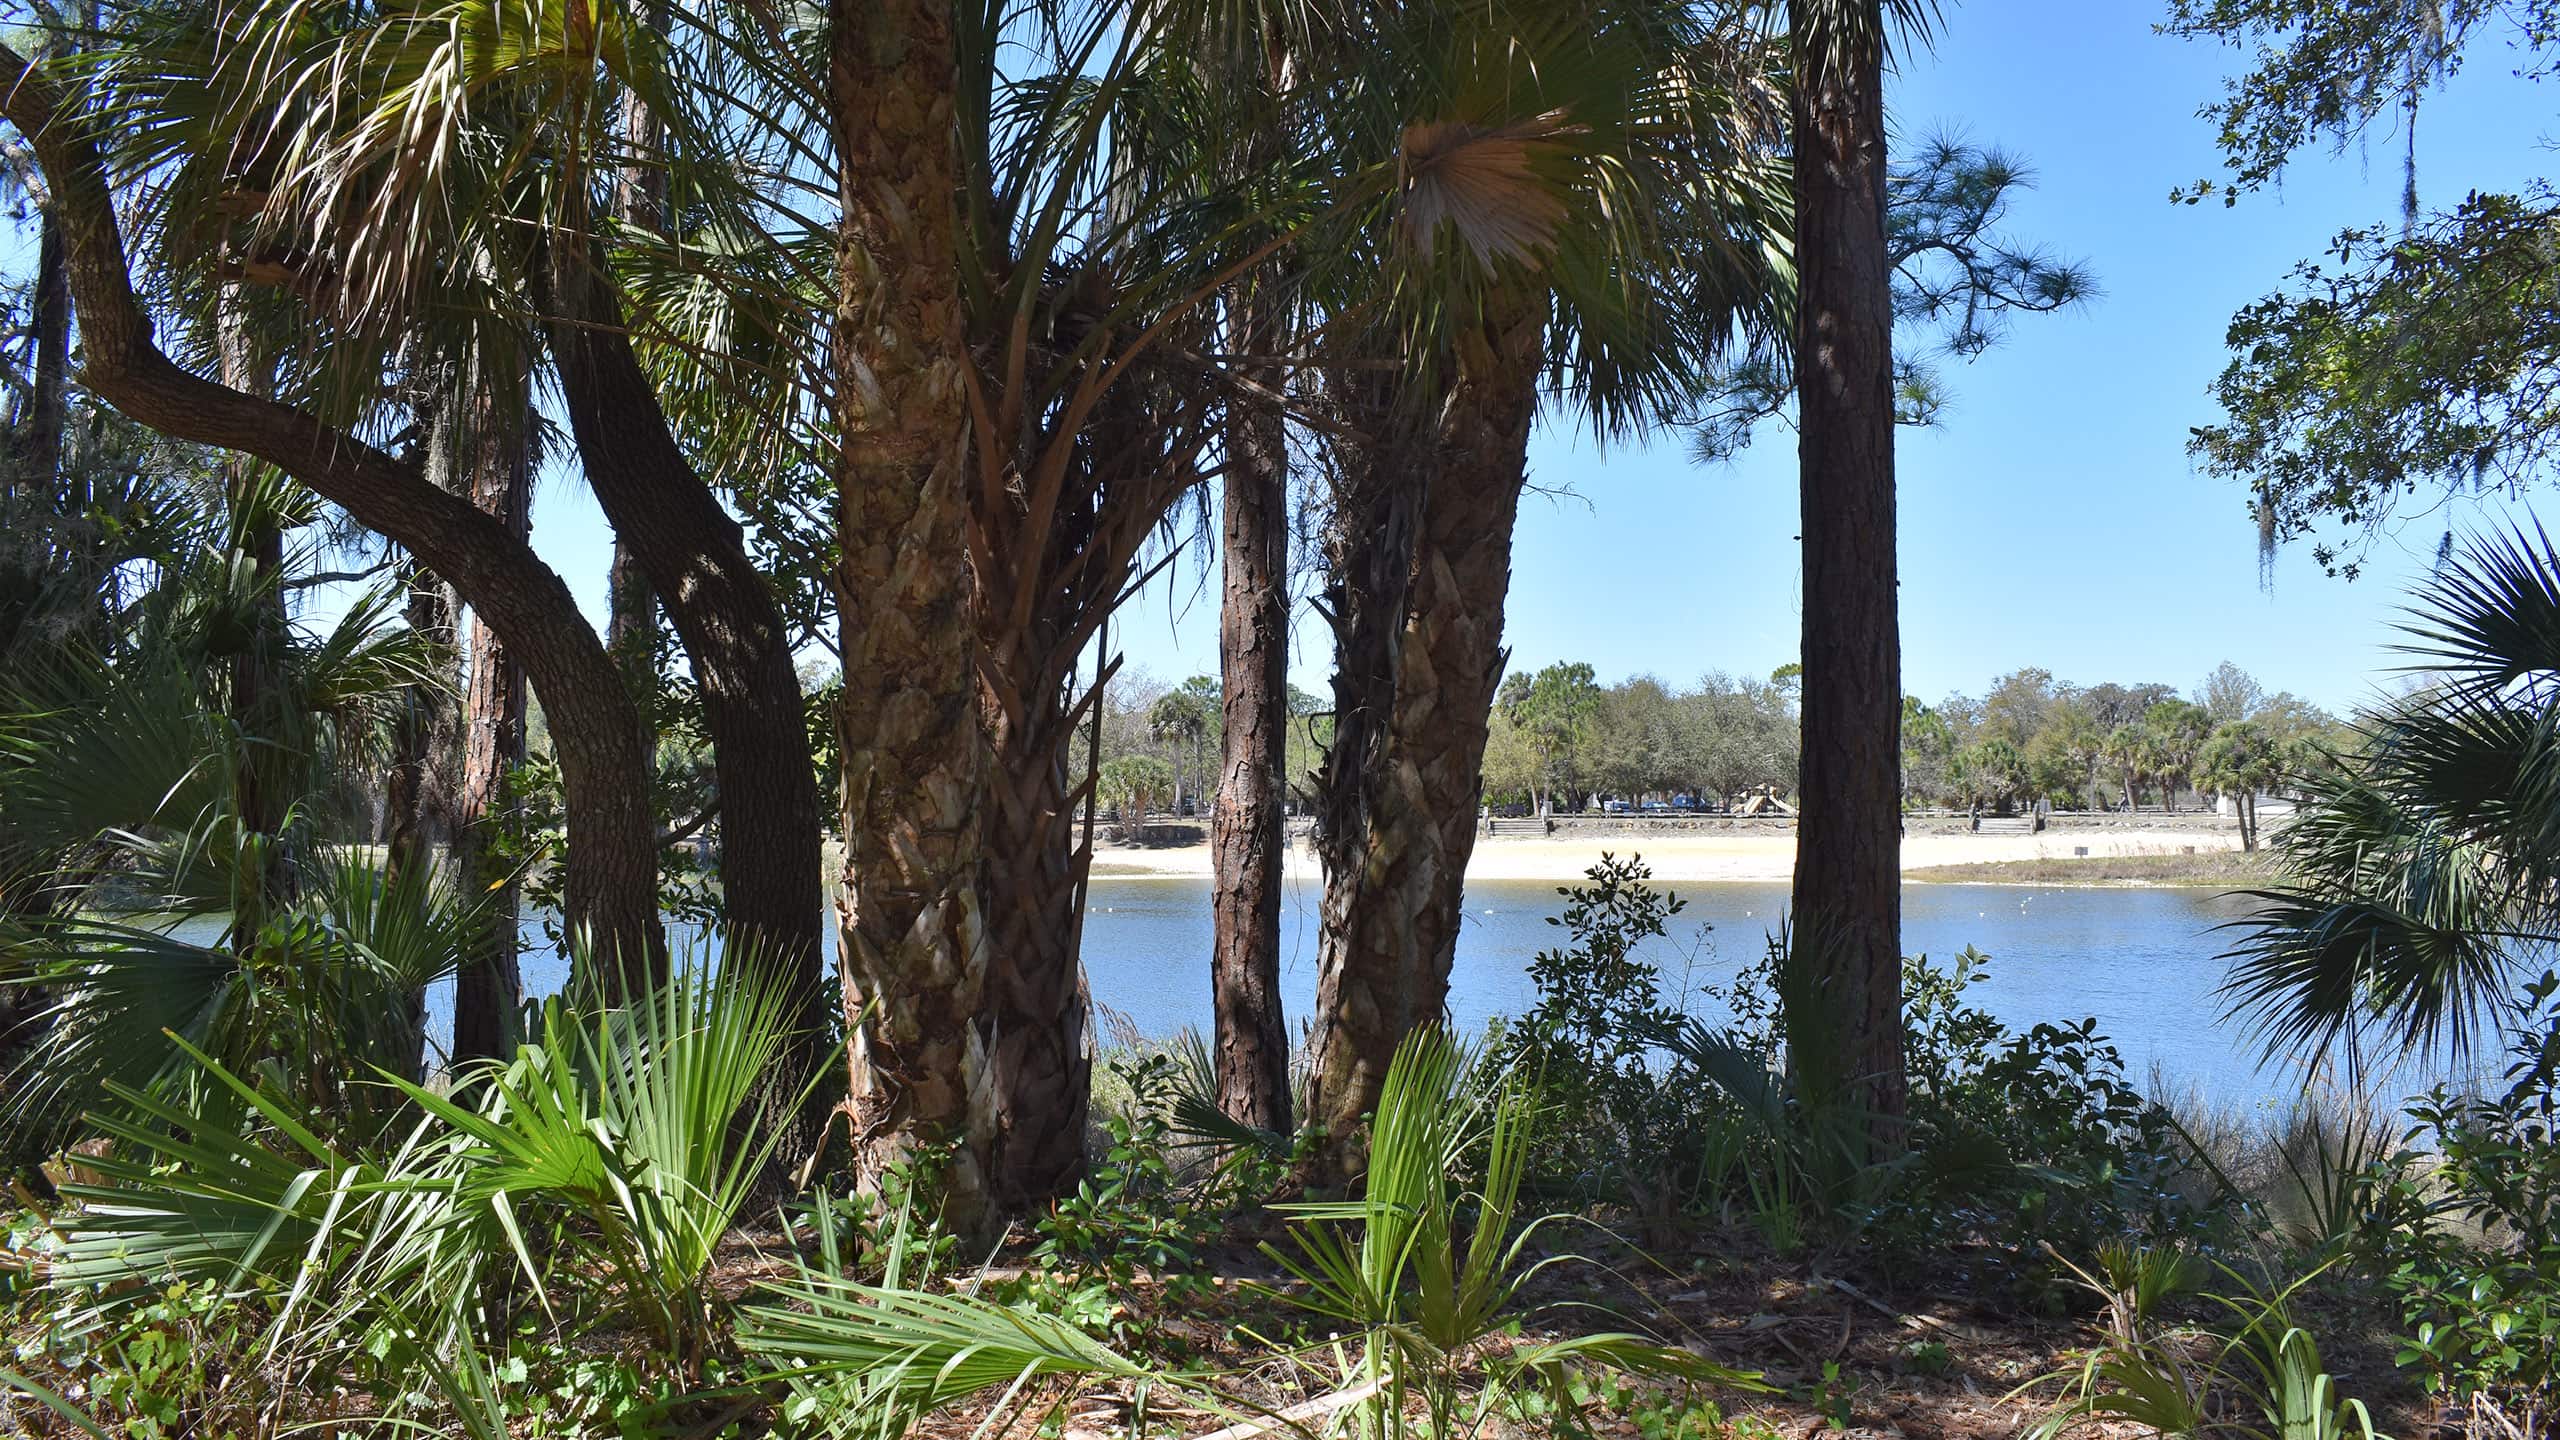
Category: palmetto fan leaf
[609,1158]
[96,751]
[131,1008]
[2422,871]
[2492,618]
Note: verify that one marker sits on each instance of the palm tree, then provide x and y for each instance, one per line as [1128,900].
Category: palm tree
[2176,729]
[1100,240]
[1179,719]
[1990,773]
[2420,877]
[1614,289]
[525,119]
[1132,785]
[589,104]
[2125,748]
[2241,760]
[1848,879]
[610,875]
[120,770]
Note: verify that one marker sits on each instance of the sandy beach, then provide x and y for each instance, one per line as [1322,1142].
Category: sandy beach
[1694,859]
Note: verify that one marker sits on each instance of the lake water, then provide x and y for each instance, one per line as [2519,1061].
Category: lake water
[2142,962]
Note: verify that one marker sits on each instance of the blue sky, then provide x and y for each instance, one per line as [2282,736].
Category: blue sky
[2054,518]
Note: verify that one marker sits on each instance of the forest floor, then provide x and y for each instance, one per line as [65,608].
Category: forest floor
[1846,1342]
[1845,1348]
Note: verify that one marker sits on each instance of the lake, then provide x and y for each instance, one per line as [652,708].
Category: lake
[2142,962]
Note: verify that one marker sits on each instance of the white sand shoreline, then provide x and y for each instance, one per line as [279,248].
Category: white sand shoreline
[1706,859]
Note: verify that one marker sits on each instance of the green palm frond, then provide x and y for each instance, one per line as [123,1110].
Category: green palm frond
[94,751]
[112,994]
[603,1165]
[199,1191]
[2420,871]
[2493,617]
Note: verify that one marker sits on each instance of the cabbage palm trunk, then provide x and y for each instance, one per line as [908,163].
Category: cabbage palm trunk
[1848,897]
[1389,947]
[1037,1015]
[913,943]
[1364,926]
[1062,509]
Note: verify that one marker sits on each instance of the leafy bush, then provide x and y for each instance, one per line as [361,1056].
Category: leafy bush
[1131,1215]
[2022,1139]
[2463,1230]
[2033,1140]
[1594,1044]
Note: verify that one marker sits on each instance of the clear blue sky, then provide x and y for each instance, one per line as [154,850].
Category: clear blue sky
[2054,518]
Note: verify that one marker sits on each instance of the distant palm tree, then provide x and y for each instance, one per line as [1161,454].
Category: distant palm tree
[2423,872]
[1179,720]
[2176,730]
[2241,760]
[2123,749]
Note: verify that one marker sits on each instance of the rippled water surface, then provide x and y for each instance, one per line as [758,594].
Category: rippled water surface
[2142,962]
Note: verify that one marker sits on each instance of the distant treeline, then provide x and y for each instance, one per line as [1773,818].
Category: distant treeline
[1561,739]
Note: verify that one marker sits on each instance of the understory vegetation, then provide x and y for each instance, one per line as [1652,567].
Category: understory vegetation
[589,1239]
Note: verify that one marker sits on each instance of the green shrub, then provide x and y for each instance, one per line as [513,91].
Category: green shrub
[2022,1140]
[1594,1045]
[2469,1243]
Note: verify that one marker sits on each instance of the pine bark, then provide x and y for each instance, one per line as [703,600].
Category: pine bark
[1245,833]
[610,885]
[417,790]
[497,475]
[631,625]
[262,781]
[1848,867]
[913,948]
[39,438]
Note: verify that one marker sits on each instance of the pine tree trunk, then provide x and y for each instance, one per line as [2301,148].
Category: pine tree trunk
[39,439]
[262,785]
[631,603]
[631,627]
[496,472]
[1246,835]
[418,790]
[913,947]
[416,812]
[1847,879]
